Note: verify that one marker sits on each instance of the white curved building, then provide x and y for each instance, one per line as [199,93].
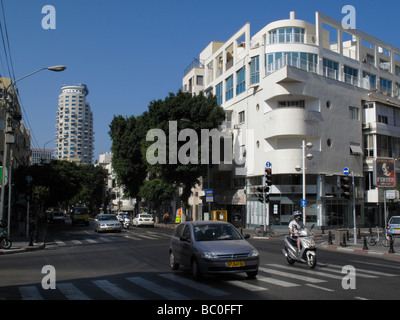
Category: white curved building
[74,127]
[293,81]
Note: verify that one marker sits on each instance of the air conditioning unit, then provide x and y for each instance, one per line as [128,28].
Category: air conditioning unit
[365,125]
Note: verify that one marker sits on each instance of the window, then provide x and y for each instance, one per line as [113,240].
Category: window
[354,113]
[385,85]
[199,80]
[350,75]
[241,117]
[287,35]
[255,70]
[369,145]
[218,93]
[241,81]
[369,80]
[331,69]
[382,119]
[229,88]
[294,103]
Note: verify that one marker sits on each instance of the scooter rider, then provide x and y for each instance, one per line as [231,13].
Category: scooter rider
[295,226]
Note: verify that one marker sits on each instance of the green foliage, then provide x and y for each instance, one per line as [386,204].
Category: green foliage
[129,144]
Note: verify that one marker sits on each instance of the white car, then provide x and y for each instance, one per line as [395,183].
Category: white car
[143,219]
[107,222]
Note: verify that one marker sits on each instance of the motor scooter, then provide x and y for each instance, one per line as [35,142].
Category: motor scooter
[307,252]
[126,222]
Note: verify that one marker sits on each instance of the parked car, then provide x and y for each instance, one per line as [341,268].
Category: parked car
[107,222]
[143,219]
[212,247]
[393,226]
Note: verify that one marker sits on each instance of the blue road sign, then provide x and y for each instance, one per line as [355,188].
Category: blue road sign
[268,164]
[303,203]
[346,171]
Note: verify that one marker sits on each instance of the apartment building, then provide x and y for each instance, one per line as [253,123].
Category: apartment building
[74,127]
[291,83]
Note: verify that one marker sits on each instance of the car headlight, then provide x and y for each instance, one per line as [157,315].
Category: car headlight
[253,253]
[209,255]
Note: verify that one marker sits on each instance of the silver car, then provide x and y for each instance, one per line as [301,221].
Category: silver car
[107,222]
[393,226]
[212,247]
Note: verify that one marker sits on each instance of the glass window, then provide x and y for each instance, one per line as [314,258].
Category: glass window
[331,69]
[241,81]
[255,70]
[218,93]
[229,88]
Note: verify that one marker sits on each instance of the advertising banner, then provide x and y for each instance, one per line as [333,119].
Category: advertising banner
[384,173]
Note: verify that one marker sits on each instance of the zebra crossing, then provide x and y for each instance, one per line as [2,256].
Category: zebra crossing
[179,285]
[95,239]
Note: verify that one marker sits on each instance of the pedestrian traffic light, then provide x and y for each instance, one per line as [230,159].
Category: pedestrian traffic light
[268,176]
[345,185]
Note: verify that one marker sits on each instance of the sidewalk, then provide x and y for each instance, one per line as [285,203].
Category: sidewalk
[21,244]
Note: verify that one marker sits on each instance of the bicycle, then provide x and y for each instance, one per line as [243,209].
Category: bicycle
[385,239]
[5,242]
[260,232]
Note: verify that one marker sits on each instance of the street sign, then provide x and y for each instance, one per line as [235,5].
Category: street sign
[303,203]
[209,195]
[346,171]
[268,164]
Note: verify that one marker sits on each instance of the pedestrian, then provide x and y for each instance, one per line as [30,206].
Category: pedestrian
[166,218]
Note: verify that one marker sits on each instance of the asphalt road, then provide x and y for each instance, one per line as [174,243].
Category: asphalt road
[134,265]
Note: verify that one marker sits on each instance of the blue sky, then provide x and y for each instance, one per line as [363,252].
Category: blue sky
[131,52]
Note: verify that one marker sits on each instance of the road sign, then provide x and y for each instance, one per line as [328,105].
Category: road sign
[303,203]
[346,171]
[209,195]
[268,164]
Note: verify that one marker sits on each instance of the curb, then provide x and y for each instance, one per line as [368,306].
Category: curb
[359,251]
[25,249]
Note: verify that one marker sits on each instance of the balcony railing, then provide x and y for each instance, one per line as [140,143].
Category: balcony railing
[195,64]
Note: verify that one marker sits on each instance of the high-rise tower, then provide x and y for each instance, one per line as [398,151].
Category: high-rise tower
[75,136]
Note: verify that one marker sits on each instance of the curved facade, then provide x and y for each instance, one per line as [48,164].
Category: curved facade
[74,128]
[292,82]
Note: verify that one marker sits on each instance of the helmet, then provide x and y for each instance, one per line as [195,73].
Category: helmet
[297,215]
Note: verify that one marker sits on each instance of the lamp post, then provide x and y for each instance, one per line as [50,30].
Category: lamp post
[309,156]
[8,130]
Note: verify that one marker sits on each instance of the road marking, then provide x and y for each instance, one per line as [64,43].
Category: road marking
[132,238]
[312,272]
[318,287]
[367,271]
[144,236]
[105,239]
[277,282]
[291,275]
[360,298]
[59,242]
[71,292]
[91,240]
[244,285]
[115,291]
[358,274]
[167,293]
[76,241]
[193,284]
[30,293]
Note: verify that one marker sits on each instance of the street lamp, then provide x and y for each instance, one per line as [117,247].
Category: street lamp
[8,131]
[309,156]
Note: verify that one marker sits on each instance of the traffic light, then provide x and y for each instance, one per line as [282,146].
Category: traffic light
[345,185]
[268,176]
[260,194]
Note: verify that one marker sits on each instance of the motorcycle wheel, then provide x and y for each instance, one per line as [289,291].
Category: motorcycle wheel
[5,243]
[289,260]
[312,261]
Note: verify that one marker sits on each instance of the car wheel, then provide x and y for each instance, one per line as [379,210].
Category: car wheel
[172,263]
[252,274]
[196,270]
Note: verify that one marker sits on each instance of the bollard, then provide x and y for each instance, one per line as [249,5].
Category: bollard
[365,247]
[347,235]
[322,230]
[330,238]
[344,241]
[391,249]
[359,233]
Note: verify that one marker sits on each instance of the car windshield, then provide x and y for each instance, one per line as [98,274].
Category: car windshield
[146,216]
[212,232]
[395,220]
[80,211]
[106,218]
